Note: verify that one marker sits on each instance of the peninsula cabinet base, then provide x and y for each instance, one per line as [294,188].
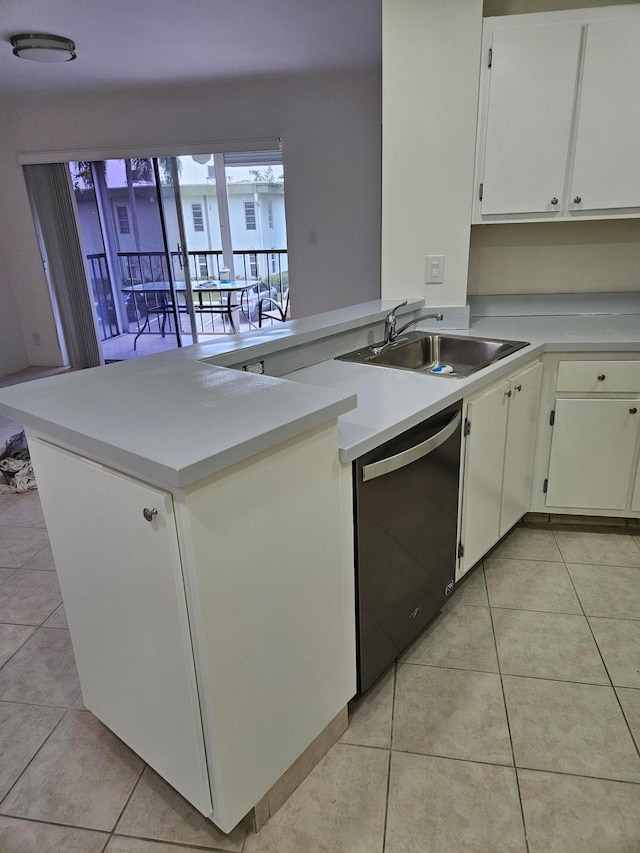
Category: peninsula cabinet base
[213,627]
[275,798]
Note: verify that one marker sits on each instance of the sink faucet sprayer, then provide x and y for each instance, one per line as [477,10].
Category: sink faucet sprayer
[390,330]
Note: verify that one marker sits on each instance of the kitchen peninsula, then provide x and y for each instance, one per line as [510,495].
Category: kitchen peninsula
[201,518]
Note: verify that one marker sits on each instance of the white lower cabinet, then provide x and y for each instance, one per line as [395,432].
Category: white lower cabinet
[595,438]
[592,450]
[499,448]
[123,591]
[213,627]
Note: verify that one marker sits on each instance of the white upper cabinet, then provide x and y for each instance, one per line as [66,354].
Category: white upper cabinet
[559,116]
[606,172]
[532,88]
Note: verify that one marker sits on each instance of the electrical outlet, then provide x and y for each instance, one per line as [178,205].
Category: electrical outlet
[434,272]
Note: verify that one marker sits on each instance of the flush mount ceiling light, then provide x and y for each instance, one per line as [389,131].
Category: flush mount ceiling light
[203,159]
[41,47]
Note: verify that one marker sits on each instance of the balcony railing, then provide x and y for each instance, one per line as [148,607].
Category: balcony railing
[268,267]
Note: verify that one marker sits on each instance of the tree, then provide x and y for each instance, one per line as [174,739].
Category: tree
[268,176]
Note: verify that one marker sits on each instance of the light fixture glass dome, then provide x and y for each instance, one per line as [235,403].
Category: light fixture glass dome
[42,47]
[201,158]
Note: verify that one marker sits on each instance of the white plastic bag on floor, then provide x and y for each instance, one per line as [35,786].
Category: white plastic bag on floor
[21,475]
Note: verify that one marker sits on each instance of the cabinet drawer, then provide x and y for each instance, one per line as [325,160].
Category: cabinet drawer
[623,376]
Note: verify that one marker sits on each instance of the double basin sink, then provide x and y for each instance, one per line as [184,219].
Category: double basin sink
[451,356]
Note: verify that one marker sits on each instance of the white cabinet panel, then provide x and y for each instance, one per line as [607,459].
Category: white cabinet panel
[520,445]
[483,467]
[591,453]
[124,596]
[532,86]
[635,500]
[598,376]
[606,171]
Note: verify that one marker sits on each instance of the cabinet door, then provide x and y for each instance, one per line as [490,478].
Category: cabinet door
[483,466]
[123,592]
[591,453]
[635,500]
[531,94]
[606,173]
[520,445]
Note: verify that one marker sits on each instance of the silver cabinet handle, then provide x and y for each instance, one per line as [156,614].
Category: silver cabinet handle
[633,411]
[577,199]
[400,460]
[507,393]
[554,200]
[518,387]
[601,377]
[149,514]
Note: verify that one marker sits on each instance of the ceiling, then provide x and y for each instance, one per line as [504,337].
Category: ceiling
[159,42]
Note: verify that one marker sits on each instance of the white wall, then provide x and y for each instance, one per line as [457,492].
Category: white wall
[430,57]
[330,126]
[555,257]
[13,354]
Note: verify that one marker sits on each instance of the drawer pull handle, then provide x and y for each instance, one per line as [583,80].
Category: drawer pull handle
[601,378]
[554,200]
[149,514]
[633,411]
[518,387]
[577,199]
[507,393]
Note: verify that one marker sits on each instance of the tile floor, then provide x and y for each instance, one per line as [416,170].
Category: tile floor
[511,724]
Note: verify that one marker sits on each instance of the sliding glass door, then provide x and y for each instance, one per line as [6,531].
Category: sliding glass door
[175,249]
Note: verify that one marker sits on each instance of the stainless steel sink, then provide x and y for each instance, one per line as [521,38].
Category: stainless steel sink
[428,352]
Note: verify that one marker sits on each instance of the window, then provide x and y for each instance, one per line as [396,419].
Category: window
[123,219]
[270,212]
[253,264]
[273,260]
[250,215]
[198,219]
[203,270]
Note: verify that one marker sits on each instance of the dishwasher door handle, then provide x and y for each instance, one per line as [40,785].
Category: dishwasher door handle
[400,460]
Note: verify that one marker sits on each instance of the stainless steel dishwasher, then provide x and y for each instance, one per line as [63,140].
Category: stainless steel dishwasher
[406,509]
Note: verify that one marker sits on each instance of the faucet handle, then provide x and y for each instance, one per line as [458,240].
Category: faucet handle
[401,305]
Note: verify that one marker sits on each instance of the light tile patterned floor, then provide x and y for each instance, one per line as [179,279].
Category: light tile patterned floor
[518,707]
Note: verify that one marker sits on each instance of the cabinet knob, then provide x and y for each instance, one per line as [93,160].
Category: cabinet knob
[577,199]
[601,378]
[149,514]
[507,393]
[554,200]
[633,411]
[518,387]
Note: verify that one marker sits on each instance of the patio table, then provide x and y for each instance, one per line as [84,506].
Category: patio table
[164,305]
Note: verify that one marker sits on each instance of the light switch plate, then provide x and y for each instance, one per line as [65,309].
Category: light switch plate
[434,271]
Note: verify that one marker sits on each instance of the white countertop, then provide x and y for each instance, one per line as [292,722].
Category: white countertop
[173,419]
[390,401]
[175,424]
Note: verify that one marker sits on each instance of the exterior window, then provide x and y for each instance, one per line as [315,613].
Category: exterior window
[123,219]
[273,260]
[250,215]
[270,212]
[253,263]
[203,271]
[198,220]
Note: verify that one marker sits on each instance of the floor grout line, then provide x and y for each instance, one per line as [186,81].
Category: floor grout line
[391,751]
[506,713]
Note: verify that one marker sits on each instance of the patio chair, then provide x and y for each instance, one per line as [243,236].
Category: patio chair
[269,309]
